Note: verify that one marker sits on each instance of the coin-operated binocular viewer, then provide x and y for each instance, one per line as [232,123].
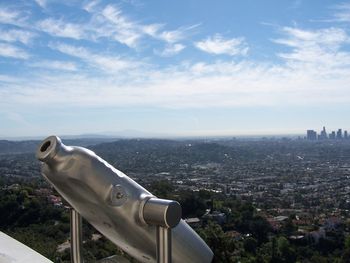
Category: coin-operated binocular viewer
[147,228]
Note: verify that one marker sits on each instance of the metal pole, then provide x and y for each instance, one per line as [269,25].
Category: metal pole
[75,236]
[163,245]
[164,215]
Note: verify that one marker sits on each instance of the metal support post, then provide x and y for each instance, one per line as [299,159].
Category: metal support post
[165,215]
[163,245]
[75,236]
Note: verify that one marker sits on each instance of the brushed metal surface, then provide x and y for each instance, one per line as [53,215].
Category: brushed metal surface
[164,242]
[75,237]
[162,212]
[112,202]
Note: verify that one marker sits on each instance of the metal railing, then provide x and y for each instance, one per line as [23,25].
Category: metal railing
[161,213]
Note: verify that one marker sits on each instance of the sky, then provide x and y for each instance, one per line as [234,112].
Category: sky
[179,68]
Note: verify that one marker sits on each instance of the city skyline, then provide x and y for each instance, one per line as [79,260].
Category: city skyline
[310,134]
[338,134]
[184,68]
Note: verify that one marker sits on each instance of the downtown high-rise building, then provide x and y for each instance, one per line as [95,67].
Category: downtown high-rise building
[311,135]
[323,135]
[339,135]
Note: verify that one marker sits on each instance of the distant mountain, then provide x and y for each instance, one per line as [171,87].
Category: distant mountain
[12,147]
[123,134]
[129,134]
[29,146]
[155,155]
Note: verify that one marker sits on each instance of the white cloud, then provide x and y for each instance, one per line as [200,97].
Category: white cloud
[5,78]
[41,3]
[170,50]
[18,119]
[55,65]
[321,48]
[91,6]
[111,22]
[14,35]
[173,36]
[329,37]
[316,68]
[191,85]
[219,45]
[107,63]
[61,29]
[8,16]
[7,50]
[124,30]
[343,13]
[152,29]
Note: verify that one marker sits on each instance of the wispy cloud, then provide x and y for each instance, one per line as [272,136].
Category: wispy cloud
[129,32]
[219,45]
[5,78]
[9,16]
[16,35]
[10,51]
[111,22]
[55,65]
[109,63]
[41,3]
[191,85]
[60,28]
[342,13]
[170,50]
[124,30]
[322,46]
[328,37]
[314,69]
[18,119]
[177,35]
[90,6]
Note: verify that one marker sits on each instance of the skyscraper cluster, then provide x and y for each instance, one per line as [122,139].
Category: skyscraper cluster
[339,135]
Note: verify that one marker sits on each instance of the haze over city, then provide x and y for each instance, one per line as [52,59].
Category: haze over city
[183,68]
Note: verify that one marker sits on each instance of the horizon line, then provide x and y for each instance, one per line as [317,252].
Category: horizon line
[152,136]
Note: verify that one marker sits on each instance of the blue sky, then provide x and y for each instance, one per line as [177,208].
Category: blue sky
[173,67]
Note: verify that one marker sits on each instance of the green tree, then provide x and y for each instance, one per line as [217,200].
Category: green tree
[162,189]
[250,245]
[289,227]
[285,250]
[222,245]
